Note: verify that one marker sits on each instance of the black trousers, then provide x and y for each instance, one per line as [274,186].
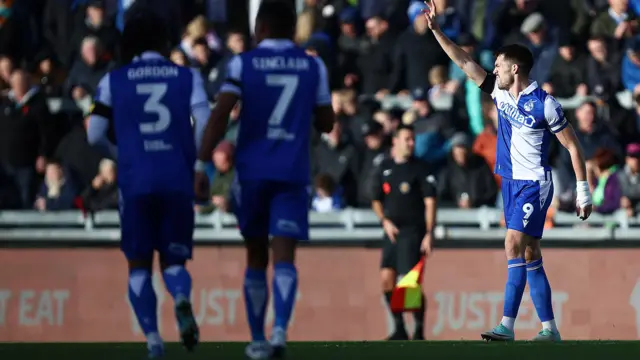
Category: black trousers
[405,253]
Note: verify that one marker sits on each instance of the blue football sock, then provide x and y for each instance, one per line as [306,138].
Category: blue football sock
[516,282]
[178,281]
[285,290]
[256,296]
[143,300]
[540,290]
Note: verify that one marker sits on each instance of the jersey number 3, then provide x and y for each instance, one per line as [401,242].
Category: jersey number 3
[154,107]
[289,84]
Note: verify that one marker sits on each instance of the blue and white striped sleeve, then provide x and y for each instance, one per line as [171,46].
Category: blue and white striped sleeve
[103,92]
[554,115]
[233,82]
[198,93]
[200,110]
[323,96]
[100,118]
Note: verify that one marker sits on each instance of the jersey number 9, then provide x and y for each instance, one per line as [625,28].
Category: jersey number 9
[154,107]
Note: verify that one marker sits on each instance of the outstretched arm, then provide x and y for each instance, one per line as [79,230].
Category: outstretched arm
[473,70]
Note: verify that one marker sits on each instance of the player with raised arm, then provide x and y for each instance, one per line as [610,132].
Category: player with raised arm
[147,106]
[281,88]
[527,116]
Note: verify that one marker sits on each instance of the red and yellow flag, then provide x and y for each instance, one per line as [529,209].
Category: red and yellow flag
[407,295]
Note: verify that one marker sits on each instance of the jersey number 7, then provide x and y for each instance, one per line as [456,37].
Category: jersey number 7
[153,106]
[289,84]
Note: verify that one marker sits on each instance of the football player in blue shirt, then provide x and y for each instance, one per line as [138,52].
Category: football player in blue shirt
[528,118]
[147,106]
[281,89]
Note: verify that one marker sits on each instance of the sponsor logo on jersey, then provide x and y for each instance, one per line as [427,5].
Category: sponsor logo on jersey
[515,116]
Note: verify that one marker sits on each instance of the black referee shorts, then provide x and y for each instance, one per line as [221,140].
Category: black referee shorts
[405,253]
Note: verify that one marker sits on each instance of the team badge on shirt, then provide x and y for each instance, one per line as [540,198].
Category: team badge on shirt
[528,106]
[405,187]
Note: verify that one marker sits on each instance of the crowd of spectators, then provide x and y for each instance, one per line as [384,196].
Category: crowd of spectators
[385,68]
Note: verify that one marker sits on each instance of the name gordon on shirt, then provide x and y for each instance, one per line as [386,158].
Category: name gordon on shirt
[514,115]
[143,72]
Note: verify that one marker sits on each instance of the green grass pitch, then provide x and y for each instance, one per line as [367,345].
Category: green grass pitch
[450,350]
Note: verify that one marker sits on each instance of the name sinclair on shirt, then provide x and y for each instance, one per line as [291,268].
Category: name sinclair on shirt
[280,63]
[150,71]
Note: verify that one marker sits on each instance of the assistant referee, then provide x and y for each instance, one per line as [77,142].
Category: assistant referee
[405,202]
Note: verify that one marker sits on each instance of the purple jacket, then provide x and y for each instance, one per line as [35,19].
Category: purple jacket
[612,195]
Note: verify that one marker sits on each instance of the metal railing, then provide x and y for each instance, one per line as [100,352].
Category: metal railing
[346,225]
[349,219]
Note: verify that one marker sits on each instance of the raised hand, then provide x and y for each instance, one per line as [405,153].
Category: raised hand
[430,15]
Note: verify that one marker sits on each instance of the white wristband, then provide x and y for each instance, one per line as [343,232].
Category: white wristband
[582,185]
[583,195]
[199,166]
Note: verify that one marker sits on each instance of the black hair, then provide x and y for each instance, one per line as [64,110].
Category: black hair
[402,126]
[54,161]
[598,38]
[144,31]
[200,41]
[519,55]
[380,16]
[279,17]
[588,102]
[235,31]
[325,182]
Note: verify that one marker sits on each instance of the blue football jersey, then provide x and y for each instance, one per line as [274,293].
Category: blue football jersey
[150,104]
[279,86]
[525,128]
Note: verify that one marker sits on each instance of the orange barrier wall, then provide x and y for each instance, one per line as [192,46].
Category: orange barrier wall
[76,295]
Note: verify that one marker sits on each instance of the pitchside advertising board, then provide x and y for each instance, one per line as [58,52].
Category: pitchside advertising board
[71,295]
